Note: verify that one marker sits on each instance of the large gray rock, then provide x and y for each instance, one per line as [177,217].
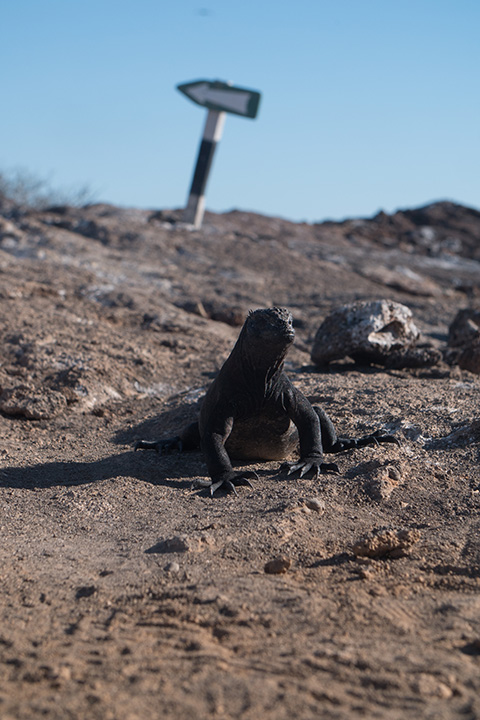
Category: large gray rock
[365,331]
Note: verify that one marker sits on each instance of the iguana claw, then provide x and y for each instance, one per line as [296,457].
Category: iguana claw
[306,465]
[234,480]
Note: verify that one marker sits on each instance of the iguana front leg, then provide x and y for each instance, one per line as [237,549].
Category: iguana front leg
[302,413]
[218,462]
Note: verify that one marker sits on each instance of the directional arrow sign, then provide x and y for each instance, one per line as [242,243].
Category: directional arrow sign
[217,95]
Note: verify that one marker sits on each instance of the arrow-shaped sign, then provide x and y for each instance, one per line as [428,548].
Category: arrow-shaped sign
[217,95]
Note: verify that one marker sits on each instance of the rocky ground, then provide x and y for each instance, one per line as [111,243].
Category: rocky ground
[127,594]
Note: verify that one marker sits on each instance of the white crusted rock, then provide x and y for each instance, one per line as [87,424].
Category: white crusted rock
[365,331]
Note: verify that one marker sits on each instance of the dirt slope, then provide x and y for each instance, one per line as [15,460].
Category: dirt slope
[126,593]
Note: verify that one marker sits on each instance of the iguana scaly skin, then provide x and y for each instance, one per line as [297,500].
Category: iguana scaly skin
[253,412]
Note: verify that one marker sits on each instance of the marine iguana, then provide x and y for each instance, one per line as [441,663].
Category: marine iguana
[253,412]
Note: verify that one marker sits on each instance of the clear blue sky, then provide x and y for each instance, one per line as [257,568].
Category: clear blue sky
[366,104]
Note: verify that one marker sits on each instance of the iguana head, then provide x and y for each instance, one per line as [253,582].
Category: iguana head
[270,329]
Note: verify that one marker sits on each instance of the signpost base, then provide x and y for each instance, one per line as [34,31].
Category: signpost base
[193,213]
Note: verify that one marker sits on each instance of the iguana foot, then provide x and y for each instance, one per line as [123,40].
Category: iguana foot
[162,447]
[233,480]
[374,438]
[308,464]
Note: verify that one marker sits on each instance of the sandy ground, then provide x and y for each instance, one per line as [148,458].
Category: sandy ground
[127,594]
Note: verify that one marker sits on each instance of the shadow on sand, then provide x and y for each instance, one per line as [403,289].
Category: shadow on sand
[146,467]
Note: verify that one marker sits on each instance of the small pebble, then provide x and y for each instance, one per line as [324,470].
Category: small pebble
[315,504]
[179,543]
[278,565]
[173,568]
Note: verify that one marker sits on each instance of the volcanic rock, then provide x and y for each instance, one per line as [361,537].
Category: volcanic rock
[365,331]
